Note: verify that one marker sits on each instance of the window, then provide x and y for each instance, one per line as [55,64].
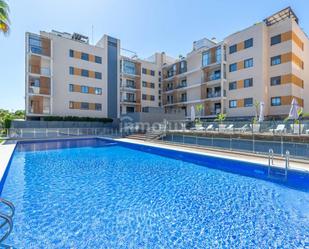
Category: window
[248,102]
[144,70]
[71,70]
[98,107]
[183,67]
[98,75]
[129,67]
[275,101]
[98,91]
[276,60]
[248,63]
[85,57]
[275,80]
[144,84]
[206,58]
[248,82]
[152,85]
[275,40]
[71,105]
[152,72]
[233,49]
[152,97]
[218,54]
[130,83]
[85,73]
[98,59]
[84,105]
[35,44]
[233,103]
[159,85]
[159,73]
[144,96]
[233,67]
[160,79]
[248,43]
[71,53]
[233,85]
[130,109]
[71,88]
[84,89]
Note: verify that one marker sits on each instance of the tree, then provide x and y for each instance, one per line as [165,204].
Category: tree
[199,108]
[4,17]
[6,117]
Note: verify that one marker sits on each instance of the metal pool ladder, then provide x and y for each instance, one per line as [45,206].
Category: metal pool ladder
[6,220]
[276,172]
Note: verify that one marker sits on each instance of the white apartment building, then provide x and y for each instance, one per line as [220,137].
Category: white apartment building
[266,62]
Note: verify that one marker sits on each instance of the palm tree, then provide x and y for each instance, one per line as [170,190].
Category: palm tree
[4,17]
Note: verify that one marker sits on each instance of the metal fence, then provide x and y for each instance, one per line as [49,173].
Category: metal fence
[34,133]
[251,144]
[266,127]
[244,136]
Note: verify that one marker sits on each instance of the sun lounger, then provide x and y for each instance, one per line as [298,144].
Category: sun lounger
[242,129]
[280,129]
[230,128]
[210,127]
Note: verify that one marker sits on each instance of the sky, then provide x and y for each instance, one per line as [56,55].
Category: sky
[143,26]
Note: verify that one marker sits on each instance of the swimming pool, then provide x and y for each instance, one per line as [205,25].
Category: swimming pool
[99,194]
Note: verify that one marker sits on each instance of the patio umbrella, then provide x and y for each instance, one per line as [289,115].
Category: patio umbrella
[192,113]
[293,114]
[261,116]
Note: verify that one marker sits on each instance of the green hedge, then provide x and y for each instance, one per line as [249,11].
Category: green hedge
[77,119]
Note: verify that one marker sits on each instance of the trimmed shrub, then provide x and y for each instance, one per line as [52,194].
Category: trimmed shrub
[77,119]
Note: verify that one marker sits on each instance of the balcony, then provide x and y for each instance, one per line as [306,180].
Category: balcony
[129,86]
[181,85]
[45,71]
[169,88]
[213,95]
[129,100]
[183,99]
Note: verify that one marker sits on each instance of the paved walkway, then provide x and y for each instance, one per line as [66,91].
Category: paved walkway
[246,157]
[6,151]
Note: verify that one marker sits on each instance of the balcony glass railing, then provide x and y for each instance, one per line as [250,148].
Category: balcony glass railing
[182,85]
[213,94]
[214,77]
[130,86]
[45,71]
[129,100]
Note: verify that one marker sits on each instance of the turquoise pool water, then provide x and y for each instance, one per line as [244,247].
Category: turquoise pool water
[99,196]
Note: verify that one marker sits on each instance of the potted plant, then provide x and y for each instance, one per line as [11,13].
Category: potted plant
[297,127]
[255,125]
[199,108]
[255,122]
[220,118]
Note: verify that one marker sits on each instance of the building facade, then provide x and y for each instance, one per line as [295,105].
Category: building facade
[267,62]
[65,76]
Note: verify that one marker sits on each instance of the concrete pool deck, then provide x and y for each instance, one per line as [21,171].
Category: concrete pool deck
[6,152]
[297,164]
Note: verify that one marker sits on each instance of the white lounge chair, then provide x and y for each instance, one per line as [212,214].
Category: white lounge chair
[209,127]
[197,128]
[230,128]
[280,129]
[242,129]
[307,131]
